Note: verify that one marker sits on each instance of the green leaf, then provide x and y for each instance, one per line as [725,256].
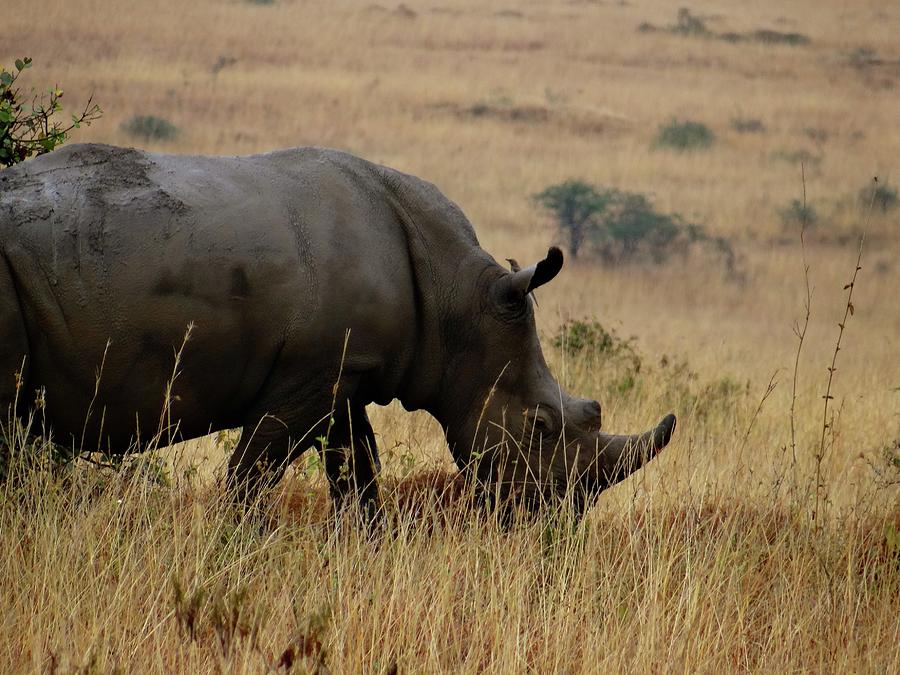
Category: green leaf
[20,65]
[6,78]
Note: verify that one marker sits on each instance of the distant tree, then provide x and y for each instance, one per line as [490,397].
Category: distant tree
[884,197]
[576,205]
[620,227]
[26,126]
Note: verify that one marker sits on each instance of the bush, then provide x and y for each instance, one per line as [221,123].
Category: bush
[747,125]
[575,205]
[622,226]
[29,129]
[631,229]
[774,37]
[799,214]
[816,134]
[684,136]
[799,157]
[150,127]
[689,24]
[590,338]
[603,349]
[884,197]
[863,57]
[617,363]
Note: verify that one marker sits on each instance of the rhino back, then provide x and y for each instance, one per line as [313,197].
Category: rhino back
[270,258]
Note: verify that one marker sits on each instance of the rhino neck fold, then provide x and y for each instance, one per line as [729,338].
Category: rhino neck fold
[444,259]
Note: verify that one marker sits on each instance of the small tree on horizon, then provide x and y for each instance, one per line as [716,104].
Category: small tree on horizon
[576,206]
[619,227]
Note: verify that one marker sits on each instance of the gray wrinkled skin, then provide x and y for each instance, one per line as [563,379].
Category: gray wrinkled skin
[297,270]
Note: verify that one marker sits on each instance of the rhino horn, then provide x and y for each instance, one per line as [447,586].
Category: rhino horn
[621,455]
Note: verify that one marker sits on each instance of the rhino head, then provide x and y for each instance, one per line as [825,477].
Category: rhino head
[515,428]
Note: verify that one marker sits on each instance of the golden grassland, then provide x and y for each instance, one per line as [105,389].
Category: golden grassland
[710,558]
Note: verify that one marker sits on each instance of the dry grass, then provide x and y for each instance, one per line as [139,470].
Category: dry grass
[709,559]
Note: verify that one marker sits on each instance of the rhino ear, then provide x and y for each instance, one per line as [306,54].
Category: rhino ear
[522,282]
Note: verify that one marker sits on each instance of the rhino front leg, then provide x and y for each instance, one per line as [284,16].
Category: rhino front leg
[351,462]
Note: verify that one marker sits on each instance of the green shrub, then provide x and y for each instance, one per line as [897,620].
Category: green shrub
[604,349]
[618,365]
[774,37]
[747,125]
[151,128]
[816,134]
[575,204]
[799,214]
[884,197]
[798,157]
[684,136]
[27,125]
[577,337]
[621,226]
[863,57]
[630,229]
[689,24]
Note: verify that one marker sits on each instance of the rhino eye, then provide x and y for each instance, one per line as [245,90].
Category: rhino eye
[540,422]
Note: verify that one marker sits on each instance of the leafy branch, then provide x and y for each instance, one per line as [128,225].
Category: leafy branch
[28,129]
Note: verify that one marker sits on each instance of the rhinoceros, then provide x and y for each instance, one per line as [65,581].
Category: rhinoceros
[311,283]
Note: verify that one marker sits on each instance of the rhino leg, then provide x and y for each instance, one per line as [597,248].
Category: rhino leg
[351,461]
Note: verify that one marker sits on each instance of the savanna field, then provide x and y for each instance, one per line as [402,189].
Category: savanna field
[764,538]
